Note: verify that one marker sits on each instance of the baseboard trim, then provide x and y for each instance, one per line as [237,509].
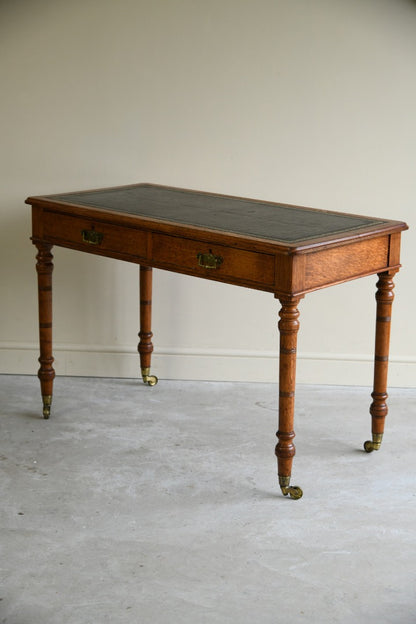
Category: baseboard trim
[205,364]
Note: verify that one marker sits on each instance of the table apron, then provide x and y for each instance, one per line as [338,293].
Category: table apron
[283,274]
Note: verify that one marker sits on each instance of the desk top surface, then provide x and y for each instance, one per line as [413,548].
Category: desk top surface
[281,223]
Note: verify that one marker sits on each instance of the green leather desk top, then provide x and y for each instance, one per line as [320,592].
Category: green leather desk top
[247,217]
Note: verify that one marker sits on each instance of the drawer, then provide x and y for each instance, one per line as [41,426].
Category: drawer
[93,235]
[213,261]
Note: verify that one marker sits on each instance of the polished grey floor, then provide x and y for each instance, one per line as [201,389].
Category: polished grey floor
[161,505]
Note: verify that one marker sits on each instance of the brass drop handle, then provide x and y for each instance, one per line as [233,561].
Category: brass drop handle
[209,261]
[92,237]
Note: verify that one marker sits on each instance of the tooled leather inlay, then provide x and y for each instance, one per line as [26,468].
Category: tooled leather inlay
[277,222]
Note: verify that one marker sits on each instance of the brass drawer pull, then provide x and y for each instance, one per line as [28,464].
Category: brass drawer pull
[92,237]
[209,261]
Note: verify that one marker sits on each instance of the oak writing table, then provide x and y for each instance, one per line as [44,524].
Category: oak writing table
[282,249]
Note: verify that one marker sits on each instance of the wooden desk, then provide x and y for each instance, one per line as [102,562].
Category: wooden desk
[285,250]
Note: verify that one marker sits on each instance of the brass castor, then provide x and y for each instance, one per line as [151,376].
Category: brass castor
[374,444]
[47,401]
[294,491]
[150,380]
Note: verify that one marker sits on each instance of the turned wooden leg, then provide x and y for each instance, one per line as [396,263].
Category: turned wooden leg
[378,408]
[145,346]
[46,373]
[285,449]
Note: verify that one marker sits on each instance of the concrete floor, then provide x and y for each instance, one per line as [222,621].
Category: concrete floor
[161,506]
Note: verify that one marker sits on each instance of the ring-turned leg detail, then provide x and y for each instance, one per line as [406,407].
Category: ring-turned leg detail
[378,408]
[145,347]
[46,373]
[285,449]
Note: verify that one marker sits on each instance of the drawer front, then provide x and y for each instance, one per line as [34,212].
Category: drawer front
[94,236]
[213,261]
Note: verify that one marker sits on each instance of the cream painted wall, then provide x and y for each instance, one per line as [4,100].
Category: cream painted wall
[303,102]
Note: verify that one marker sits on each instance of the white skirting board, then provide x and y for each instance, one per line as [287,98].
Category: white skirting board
[205,364]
